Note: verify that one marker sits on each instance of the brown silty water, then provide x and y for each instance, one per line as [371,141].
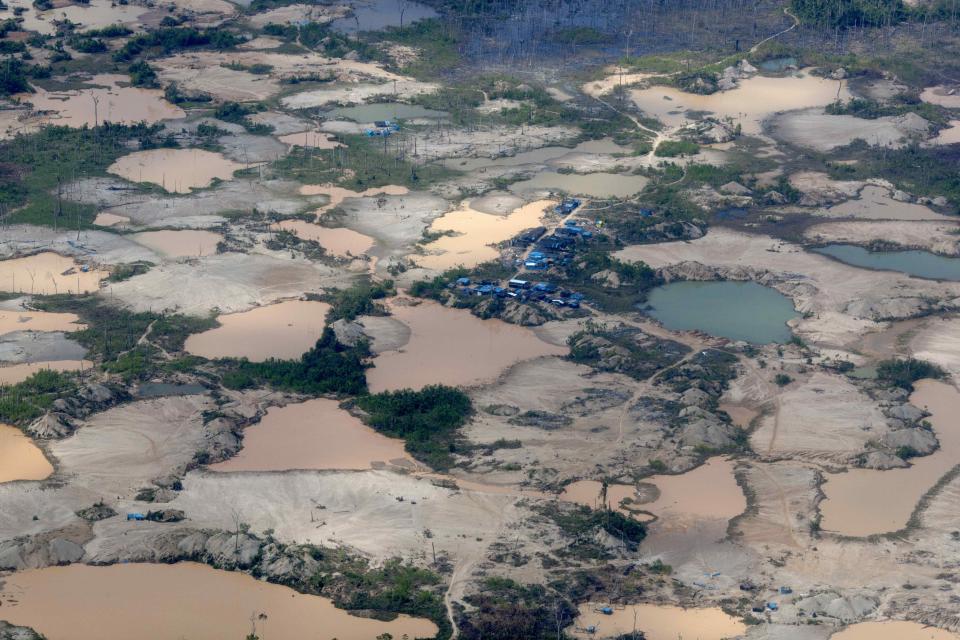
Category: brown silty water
[339,241]
[708,492]
[316,434]
[185,600]
[453,347]
[863,502]
[176,170]
[104,100]
[285,330]
[20,459]
[14,373]
[38,321]
[46,274]
[473,233]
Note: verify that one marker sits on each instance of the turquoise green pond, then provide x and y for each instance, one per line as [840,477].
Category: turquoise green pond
[778,64]
[921,264]
[383,111]
[734,310]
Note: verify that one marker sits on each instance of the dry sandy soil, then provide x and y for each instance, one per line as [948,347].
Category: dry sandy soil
[816,130]
[937,237]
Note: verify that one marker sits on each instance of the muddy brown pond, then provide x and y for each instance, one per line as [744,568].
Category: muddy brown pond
[316,434]
[48,273]
[863,502]
[175,170]
[709,491]
[20,459]
[284,330]
[186,600]
[453,347]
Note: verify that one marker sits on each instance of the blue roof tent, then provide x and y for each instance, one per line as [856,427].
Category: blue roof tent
[463,282]
[567,206]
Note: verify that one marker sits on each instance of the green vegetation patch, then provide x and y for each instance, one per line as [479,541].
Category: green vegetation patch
[23,402]
[113,335]
[167,40]
[905,103]
[505,609]
[435,43]
[32,166]
[674,148]
[394,587]
[925,171]
[849,13]
[239,114]
[13,77]
[624,349]
[358,300]
[366,163]
[583,523]
[903,373]
[328,367]
[428,420]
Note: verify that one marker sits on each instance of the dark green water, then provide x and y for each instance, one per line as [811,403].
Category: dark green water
[735,310]
[921,264]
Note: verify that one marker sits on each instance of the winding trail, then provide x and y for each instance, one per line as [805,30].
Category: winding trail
[796,23]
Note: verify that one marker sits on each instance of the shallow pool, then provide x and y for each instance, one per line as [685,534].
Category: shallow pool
[735,310]
[921,264]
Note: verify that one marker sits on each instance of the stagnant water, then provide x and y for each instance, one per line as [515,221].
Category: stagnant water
[374,15]
[110,220]
[734,310]
[473,234]
[185,600]
[340,241]
[921,264]
[594,185]
[316,434]
[338,194]
[383,111]
[176,170]
[105,100]
[863,502]
[893,630]
[284,330]
[709,491]
[188,243]
[20,459]
[24,320]
[452,347]
[312,139]
[749,104]
[657,622]
[93,15]
[14,373]
[48,273]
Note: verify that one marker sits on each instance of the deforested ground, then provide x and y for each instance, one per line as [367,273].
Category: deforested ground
[474,320]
